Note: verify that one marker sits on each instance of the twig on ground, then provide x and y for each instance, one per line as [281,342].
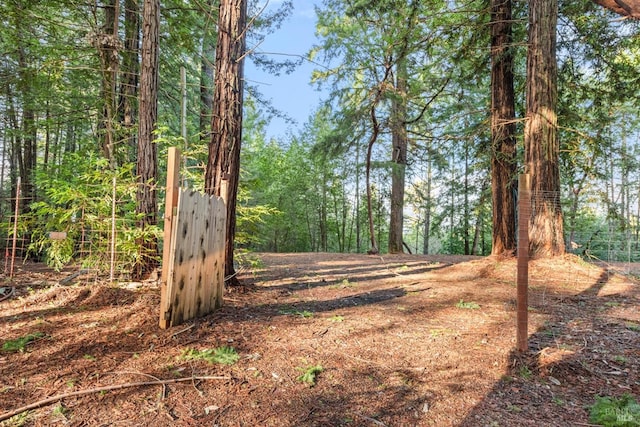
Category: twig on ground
[164,386]
[173,335]
[373,420]
[56,398]
[70,278]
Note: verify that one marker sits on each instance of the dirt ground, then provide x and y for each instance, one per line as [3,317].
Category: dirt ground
[392,341]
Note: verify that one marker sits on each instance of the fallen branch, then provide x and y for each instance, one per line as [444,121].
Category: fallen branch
[8,295]
[53,399]
[70,278]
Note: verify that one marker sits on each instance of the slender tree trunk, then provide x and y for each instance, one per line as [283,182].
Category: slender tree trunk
[357,215]
[107,43]
[26,148]
[226,121]
[427,215]
[147,164]
[373,250]
[206,77]
[503,131]
[477,235]
[541,133]
[467,215]
[128,102]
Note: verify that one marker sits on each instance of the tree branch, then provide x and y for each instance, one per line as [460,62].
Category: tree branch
[56,398]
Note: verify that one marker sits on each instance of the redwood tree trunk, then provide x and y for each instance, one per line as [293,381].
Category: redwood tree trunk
[147,164]
[226,121]
[206,78]
[541,133]
[107,44]
[503,131]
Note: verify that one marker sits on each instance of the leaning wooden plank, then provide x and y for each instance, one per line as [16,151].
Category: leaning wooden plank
[170,210]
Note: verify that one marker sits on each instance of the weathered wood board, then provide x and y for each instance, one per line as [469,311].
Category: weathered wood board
[195,275]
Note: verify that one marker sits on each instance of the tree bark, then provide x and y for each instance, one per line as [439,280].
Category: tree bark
[541,133]
[147,164]
[503,131]
[107,44]
[226,122]
[206,79]
[427,214]
[398,159]
[127,104]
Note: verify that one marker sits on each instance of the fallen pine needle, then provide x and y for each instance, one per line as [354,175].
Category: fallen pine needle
[52,399]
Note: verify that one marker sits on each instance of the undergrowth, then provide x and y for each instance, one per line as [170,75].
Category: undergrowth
[222,355]
[615,412]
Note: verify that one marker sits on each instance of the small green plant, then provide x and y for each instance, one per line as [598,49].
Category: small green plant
[470,305]
[347,284]
[60,411]
[620,359]
[337,318]
[309,374]
[18,420]
[633,326]
[19,344]
[305,313]
[223,355]
[615,412]
[525,372]
[89,357]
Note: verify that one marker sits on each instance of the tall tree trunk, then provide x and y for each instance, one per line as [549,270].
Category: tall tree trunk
[466,212]
[541,133]
[427,215]
[107,43]
[26,148]
[357,214]
[226,122]
[128,102]
[477,235]
[503,131]
[398,159]
[206,76]
[147,164]
[373,250]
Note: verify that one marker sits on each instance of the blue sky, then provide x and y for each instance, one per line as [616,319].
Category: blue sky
[292,94]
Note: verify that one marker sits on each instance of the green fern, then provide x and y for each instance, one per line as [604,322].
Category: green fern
[222,355]
[309,374]
[20,344]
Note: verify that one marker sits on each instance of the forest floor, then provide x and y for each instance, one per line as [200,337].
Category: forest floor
[381,341]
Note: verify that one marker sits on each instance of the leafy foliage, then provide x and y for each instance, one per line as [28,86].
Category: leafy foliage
[309,374]
[615,412]
[223,355]
[19,344]
[79,201]
[468,305]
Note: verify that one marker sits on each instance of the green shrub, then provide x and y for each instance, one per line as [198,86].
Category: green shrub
[612,412]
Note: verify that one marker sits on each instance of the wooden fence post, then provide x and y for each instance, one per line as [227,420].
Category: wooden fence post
[112,266]
[171,203]
[524,213]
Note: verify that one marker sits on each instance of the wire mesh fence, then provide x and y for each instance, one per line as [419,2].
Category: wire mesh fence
[607,244]
[96,229]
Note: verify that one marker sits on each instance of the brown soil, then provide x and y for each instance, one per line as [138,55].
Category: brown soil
[397,337]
